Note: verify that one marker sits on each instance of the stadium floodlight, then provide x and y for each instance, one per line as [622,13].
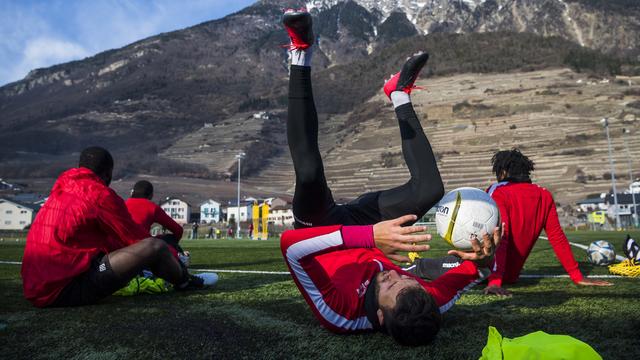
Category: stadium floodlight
[625,133]
[605,123]
[239,157]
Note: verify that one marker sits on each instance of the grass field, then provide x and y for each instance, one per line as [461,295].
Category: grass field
[263,316]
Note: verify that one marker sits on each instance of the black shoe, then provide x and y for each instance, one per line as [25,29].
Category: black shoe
[404,80]
[631,249]
[299,26]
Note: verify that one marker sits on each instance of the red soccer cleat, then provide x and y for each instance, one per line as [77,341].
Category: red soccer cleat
[300,28]
[404,80]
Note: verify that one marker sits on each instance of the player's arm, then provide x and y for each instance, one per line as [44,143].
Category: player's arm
[333,307]
[562,248]
[115,219]
[448,288]
[167,222]
[389,236]
[494,285]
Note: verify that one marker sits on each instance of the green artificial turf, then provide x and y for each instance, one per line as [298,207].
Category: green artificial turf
[264,316]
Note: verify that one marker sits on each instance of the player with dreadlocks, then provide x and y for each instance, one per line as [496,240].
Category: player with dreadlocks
[525,209]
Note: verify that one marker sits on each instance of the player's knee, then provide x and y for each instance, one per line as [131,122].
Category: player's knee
[423,196]
[154,246]
[308,174]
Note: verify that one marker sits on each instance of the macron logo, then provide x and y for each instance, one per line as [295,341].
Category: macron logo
[102,267]
[363,288]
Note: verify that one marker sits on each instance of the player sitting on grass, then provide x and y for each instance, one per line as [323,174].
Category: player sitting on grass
[145,213]
[83,244]
[526,209]
[344,272]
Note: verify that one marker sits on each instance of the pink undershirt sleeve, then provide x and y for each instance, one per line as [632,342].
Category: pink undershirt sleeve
[358,236]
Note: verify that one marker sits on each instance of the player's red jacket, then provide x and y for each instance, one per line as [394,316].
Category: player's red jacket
[526,209]
[333,266]
[81,218]
[146,212]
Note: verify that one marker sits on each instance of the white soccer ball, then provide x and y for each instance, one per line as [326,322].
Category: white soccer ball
[465,213]
[601,253]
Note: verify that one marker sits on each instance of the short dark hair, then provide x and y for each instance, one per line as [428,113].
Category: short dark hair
[513,163]
[142,189]
[415,320]
[96,159]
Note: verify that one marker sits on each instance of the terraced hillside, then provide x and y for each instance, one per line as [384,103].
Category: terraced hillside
[552,115]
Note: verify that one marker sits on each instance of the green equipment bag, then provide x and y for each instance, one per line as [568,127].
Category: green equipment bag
[143,285]
[536,346]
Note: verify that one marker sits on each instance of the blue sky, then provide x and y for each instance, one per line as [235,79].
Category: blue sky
[35,34]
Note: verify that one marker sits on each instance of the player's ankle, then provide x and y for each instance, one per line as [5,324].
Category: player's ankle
[301,57]
[400,98]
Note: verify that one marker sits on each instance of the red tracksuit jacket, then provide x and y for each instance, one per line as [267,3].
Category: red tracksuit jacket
[146,212]
[526,209]
[81,218]
[333,266]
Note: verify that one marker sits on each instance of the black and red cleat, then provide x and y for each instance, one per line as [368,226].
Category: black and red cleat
[300,28]
[404,80]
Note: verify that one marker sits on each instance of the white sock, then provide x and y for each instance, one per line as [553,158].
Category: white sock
[301,57]
[400,98]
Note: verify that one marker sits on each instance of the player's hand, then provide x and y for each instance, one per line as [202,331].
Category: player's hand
[593,282]
[481,253]
[390,237]
[496,290]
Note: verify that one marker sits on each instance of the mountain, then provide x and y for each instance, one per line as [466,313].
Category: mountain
[185,102]
[610,26]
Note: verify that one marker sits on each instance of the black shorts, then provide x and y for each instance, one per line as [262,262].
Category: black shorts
[98,282]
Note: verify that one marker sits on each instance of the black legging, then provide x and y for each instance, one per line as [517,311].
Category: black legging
[313,204]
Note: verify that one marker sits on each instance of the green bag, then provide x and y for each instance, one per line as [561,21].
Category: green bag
[143,285]
[536,346]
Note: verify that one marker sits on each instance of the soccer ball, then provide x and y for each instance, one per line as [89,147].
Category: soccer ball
[464,213]
[601,253]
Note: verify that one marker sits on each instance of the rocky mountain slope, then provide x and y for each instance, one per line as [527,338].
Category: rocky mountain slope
[609,26]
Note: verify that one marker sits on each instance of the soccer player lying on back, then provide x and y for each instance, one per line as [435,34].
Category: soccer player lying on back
[344,272]
[346,276]
[83,244]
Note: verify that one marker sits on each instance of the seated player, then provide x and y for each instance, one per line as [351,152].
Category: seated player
[145,213]
[526,209]
[346,276]
[337,267]
[313,203]
[83,244]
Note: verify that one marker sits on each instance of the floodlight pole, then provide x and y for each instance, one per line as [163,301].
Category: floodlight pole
[239,157]
[605,122]
[626,131]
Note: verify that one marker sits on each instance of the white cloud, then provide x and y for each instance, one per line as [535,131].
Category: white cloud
[42,51]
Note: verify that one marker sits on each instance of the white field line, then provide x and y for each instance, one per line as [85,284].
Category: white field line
[585,247]
[244,271]
[11,262]
[527,276]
